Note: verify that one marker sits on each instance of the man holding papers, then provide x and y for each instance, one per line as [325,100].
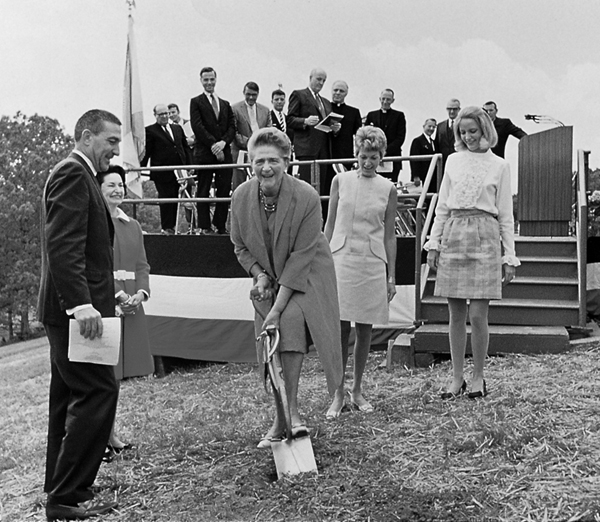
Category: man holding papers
[77,282]
[306,109]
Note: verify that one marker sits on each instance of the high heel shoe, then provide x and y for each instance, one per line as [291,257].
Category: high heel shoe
[479,394]
[448,395]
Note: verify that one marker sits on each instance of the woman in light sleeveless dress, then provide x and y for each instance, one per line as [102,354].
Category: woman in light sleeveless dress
[361,232]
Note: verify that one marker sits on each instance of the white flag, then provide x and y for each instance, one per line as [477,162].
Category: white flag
[134,134]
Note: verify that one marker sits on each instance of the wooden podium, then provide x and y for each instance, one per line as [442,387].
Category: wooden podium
[545,191]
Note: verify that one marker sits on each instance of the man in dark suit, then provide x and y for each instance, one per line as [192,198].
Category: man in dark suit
[342,142]
[166,145]
[306,109]
[278,118]
[77,280]
[213,124]
[393,124]
[421,146]
[504,127]
[444,138]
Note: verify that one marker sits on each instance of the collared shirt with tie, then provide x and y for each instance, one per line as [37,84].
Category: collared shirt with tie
[281,120]
[252,117]
[167,129]
[214,101]
[320,104]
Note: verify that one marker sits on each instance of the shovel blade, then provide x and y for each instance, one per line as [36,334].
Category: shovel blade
[294,456]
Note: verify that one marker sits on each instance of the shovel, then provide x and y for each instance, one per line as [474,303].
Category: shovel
[293,455]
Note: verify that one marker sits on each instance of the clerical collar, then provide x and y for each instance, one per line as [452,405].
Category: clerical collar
[338,104]
[384,111]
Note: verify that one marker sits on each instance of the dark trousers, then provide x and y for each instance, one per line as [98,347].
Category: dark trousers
[223,186]
[83,402]
[168,211]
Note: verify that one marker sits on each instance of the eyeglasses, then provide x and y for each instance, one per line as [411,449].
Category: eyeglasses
[453,108]
[162,113]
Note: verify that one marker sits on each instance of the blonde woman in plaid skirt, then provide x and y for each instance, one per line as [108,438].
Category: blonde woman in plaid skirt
[473,226]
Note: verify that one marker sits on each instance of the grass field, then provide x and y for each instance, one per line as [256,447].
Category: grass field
[529,451]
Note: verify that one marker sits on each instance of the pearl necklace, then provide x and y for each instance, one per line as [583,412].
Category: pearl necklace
[269,207]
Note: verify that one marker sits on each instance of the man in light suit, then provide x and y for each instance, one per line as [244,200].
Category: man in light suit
[249,117]
[342,142]
[393,124]
[423,145]
[504,127]
[306,109]
[77,281]
[166,145]
[444,138]
[213,124]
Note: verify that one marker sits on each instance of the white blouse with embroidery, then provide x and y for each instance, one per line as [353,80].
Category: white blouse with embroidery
[474,180]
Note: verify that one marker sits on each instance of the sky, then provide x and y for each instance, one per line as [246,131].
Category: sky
[60,58]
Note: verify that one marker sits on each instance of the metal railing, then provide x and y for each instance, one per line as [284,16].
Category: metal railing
[410,217]
[422,228]
[581,228]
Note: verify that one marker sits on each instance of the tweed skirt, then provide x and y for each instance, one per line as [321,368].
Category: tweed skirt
[470,263]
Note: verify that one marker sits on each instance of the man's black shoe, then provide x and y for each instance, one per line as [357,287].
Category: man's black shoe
[89,508]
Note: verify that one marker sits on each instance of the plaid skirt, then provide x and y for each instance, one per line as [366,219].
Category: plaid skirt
[470,263]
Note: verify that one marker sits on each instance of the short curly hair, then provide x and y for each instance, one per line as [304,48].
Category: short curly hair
[270,136]
[490,136]
[370,138]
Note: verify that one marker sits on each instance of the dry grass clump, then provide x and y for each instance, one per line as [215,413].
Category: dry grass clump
[529,451]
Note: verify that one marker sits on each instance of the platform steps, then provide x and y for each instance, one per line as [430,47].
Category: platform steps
[535,308]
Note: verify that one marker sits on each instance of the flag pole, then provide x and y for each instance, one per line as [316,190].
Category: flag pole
[134,134]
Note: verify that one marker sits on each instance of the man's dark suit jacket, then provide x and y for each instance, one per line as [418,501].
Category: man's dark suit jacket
[308,141]
[444,140]
[342,143]
[394,127]
[209,131]
[288,130]
[505,128]
[161,150]
[77,255]
[420,146]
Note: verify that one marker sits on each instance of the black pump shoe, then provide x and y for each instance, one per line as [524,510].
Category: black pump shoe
[446,396]
[479,394]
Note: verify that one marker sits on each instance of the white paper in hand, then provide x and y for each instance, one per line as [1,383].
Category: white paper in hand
[101,350]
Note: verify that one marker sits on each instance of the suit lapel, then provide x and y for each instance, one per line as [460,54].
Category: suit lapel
[92,181]
[166,133]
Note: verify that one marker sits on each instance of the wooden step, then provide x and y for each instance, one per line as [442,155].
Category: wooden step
[525,312]
[565,267]
[545,246]
[503,339]
[530,288]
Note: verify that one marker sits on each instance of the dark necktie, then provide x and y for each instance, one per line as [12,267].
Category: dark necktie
[281,120]
[320,105]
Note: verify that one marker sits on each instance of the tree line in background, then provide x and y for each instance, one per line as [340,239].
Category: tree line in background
[30,146]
